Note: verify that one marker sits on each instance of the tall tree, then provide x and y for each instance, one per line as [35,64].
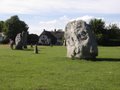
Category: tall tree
[97,25]
[113,31]
[98,28]
[13,26]
[1,26]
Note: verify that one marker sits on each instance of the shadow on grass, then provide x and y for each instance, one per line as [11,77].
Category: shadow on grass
[107,59]
[28,49]
[94,60]
[97,59]
[23,49]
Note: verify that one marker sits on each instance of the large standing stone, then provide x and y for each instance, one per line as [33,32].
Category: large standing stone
[80,40]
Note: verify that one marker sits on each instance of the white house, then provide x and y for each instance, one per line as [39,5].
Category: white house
[51,37]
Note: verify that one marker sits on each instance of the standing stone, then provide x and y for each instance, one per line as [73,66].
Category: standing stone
[24,39]
[18,42]
[64,43]
[11,43]
[21,40]
[36,49]
[31,45]
[80,40]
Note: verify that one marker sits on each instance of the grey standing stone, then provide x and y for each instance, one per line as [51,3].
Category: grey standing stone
[36,49]
[21,40]
[24,39]
[31,45]
[80,40]
[18,42]
[11,43]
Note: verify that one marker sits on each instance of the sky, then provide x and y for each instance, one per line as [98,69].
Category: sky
[55,14]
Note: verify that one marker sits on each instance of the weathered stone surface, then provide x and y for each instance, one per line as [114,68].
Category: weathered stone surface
[21,40]
[80,40]
[18,42]
[24,39]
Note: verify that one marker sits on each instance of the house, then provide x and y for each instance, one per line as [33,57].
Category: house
[59,34]
[47,38]
[2,36]
[51,37]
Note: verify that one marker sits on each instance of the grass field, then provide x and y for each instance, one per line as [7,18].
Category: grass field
[51,70]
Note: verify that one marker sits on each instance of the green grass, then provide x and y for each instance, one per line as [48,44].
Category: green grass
[51,70]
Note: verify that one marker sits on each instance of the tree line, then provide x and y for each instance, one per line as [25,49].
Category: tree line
[105,35]
[11,27]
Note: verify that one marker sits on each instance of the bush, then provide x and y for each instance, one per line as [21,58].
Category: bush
[5,41]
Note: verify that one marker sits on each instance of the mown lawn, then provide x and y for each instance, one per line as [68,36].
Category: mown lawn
[51,70]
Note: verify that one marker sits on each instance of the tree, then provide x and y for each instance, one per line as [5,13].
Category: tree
[13,26]
[97,25]
[33,39]
[98,28]
[1,26]
[113,31]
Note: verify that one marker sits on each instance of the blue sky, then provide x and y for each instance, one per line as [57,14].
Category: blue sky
[50,14]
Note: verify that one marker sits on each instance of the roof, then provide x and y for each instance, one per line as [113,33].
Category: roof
[50,36]
[48,33]
[58,34]
[54,36]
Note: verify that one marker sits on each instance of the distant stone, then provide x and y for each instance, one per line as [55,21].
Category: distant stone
[36,49]
[21,40]
[80,40]
[11,43]
[31,45]
[24,39]
[18,42]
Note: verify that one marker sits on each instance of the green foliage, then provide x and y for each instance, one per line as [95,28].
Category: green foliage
[14,26]
[113,31]
[1,26]
[97,26]
[51,70]
[105,35]
[5,41]
[33,39]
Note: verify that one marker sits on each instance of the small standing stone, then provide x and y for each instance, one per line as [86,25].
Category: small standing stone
[36,49]
[31,45]
[11,44]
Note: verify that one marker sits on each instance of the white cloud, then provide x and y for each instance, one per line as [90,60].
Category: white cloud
[43,6]
[60,7]
[54,24]
[48,25]
[34,29]
[57,23]
[114,22]
[87,18]
[62,21]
